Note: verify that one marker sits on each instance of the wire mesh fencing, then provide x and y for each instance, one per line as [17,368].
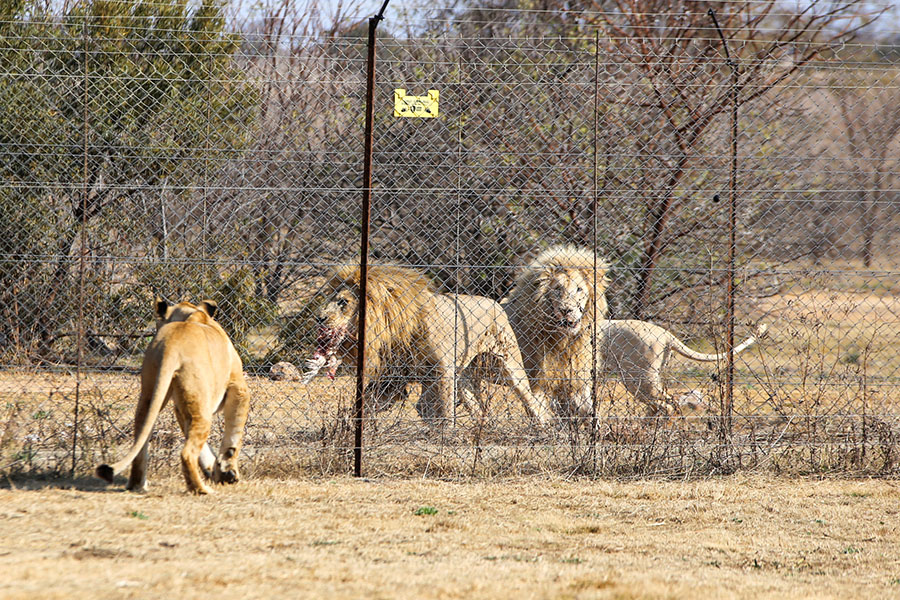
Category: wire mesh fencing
[551,238]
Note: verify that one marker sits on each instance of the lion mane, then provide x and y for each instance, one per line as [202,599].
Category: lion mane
[397,302]
[557,351]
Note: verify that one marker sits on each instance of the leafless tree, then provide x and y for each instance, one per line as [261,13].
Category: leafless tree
[870,123]
[674,48]
[300,53]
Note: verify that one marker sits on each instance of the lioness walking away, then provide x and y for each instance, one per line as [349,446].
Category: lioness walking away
[192,362]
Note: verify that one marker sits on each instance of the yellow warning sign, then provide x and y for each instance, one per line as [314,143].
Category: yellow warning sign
[415,106]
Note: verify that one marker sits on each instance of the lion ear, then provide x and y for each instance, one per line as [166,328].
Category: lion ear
[210,307]
[162,307]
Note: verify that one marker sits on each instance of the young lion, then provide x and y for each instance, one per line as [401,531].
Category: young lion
[192,362]
[637,351]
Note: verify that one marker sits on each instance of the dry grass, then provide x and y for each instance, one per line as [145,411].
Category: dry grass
[736,537]
[481,533]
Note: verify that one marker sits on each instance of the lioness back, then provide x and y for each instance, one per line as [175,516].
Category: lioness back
[202,348]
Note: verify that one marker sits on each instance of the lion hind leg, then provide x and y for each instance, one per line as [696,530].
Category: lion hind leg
[470,387]
[236,409]
[647,388]
[650,392]
[190,456]
[196,428]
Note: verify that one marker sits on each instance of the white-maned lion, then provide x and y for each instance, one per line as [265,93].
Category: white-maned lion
[553,308]
[637,351]
[191,362]
[418,335]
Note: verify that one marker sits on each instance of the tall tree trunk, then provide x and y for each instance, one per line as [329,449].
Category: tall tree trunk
[871,219]
[58,281]
[869,208]
[83,210]
[868,225]
[653,249]
[274,282]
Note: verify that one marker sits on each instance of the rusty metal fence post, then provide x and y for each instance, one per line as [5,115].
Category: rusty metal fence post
[79,328]
[728,399]
[359,409]
[594,209]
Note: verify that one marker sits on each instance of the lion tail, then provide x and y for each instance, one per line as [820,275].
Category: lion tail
[679,347]
[161,386]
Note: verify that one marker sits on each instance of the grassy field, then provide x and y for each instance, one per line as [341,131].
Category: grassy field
[736,537]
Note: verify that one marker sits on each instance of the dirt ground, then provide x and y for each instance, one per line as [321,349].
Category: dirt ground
[738,537]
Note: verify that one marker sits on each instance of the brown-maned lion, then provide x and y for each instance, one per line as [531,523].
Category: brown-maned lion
[191,362]
[418,335]
[555,304]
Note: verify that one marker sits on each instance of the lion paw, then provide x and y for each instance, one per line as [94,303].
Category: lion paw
[202,490]
[225,474]
[139,488]
[230,476]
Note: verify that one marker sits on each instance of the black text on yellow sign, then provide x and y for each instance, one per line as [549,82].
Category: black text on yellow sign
[416,106]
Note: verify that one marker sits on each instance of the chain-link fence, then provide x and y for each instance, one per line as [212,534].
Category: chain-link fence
[530,168]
